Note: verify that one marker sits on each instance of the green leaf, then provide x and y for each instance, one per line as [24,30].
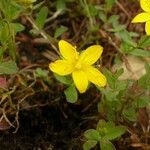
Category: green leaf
[142,101]
[71,94]
[121,95]
[12,48]
[114,132]
[117,59]
[101,107]
[101,127]
[60,5]
[144,81]
[8,67]
[41,17]
[109,4]
[109,131]
[1,53]
[117,28]
[59,31]
[125,47]
[18,27]
[110,78]
[12,10]
[41,73]
[4,32]
[125,36]
[113,19]
[93,10]
[130,114]
[121,85]
[119,72]
[102,16]
[63,79]
[111,95]
[106,145]
[92,134]
[111,110]
[147,67]
[140,52]
[144,41]
[89,144]
[134,34]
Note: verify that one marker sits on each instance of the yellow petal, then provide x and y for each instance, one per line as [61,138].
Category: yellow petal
[95,76]
[67,50]
[91,54]
[147,27]
[145,5]
[61,67]
[142,17]
[80,80]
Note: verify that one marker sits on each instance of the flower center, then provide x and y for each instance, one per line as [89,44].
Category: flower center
[78,65]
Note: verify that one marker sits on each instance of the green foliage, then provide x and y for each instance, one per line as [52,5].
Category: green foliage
[144,41]
[89,144]
[8,67]
[91,12]
[40,21]
[113,78]
[63,79]
[128,46]
[140,52]
[103,134]
[92,134]
[136,51]
[60,5]
[144,81]
[41,17]
[17,27]
[142,101]
[9,11]
[59,31]
[106,145]
[109,4]
[118,102]
[130,113]
[71,94]
[43,74]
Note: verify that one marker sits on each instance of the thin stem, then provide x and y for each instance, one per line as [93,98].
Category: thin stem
[50,39]
[84,3]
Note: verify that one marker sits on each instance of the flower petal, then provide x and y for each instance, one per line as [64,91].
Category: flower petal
[147,27]
[145,5]
[68,51]
[80,80]
[91,54]
[61,67]
[95,76]
[142,17]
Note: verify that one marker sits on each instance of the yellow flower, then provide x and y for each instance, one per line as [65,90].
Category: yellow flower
[144,16]
[79,65]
